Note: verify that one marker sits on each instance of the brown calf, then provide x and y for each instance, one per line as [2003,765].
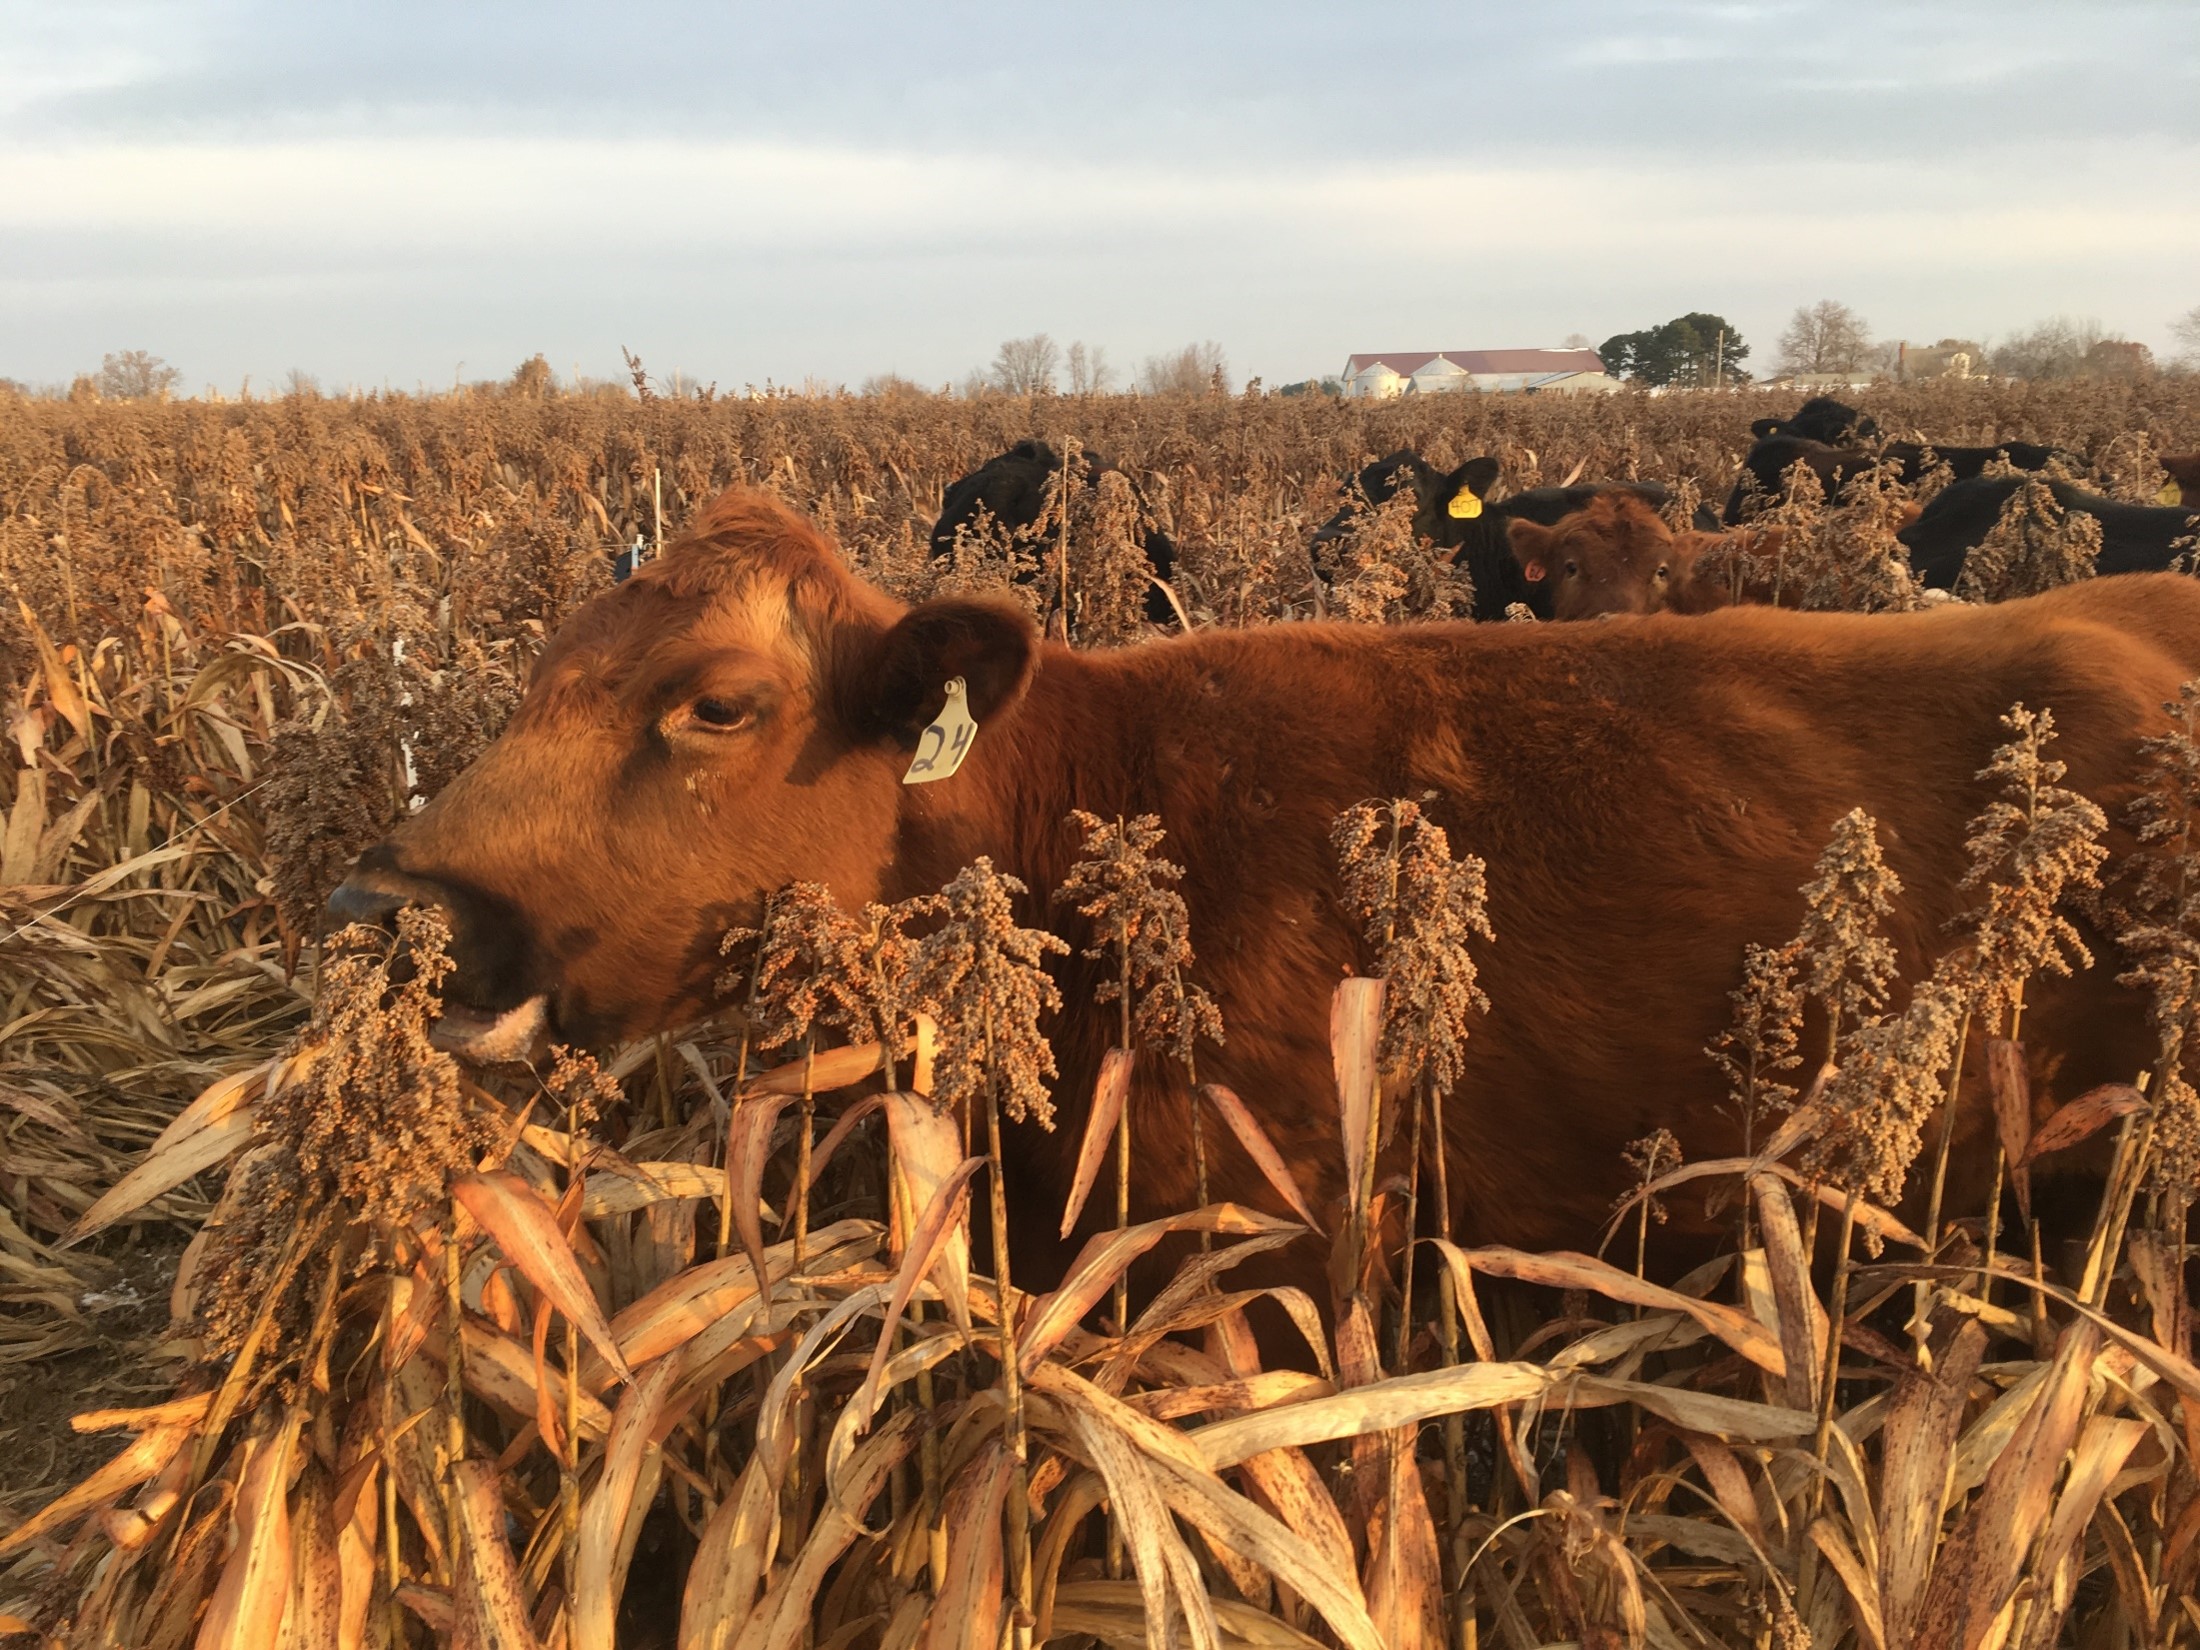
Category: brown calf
[1649,795]
[1616,555]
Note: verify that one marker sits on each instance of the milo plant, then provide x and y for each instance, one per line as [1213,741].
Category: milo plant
[1111,574]
[2035,545]
[988,977]
[1140,925]
[1845,964]
[1420,911]
[1859,565]
[1762,1046]
[1798,509]
[1366,564]
[809,957]
[2031,849]
[2162,941]
[988,558]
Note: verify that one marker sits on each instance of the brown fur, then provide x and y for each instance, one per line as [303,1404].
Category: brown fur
[1649,795]
[1617,555]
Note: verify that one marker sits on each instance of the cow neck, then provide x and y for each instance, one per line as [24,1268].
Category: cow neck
[1065,745]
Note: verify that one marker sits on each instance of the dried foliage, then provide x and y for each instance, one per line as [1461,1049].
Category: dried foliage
[1845,963]
[1763,1044]
[2162,937]
[1418,908]
[2034,546]
[1121,884]
[1889,1081]
[987,977]
[2031,849]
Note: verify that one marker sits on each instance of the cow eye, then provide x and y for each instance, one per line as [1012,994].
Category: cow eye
[1663,573]
[722,714]
[1573,570]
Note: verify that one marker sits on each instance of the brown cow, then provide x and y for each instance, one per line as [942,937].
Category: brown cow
[1617,555]
[1649,795]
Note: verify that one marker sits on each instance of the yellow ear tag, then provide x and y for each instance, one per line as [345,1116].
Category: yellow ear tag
[942,746]
[2171,493]
[1464,505]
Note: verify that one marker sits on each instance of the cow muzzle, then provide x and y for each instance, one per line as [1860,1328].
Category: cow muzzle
[476,1031]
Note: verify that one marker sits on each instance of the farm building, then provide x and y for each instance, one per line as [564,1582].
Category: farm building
[1417,372]
[1950,358]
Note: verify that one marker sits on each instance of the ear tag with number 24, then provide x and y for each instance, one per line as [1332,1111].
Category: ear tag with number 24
[942,746]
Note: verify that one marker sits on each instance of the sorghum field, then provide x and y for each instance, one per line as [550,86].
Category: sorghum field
[309,1336]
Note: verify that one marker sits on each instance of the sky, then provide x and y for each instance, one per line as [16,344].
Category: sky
[418,191]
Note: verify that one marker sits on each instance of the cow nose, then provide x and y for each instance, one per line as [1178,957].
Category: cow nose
[357,901]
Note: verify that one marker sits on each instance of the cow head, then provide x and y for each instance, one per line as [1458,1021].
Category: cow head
[1444,501]
[736,716]
[1616,555]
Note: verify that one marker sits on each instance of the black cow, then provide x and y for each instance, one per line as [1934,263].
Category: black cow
[1770,458]
[1821,418]
[1453,511]
[2135,538]
[1012,487]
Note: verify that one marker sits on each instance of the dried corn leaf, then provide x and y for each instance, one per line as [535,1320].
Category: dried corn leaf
[2081,1119]
[142,1458]
[1107,1255]
[1563,1270]
[1980,1564]
[925,1147]
[1918,1441]
[599,1572]
[1355,1046]
[205,1132]
[1108,1093]
[253,1596]
[968,1609]
[785,1614]
[491,1597]
[1113,1612]
[1246,1127]
[525,1230]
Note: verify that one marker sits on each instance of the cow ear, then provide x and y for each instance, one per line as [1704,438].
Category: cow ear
[1476,476]
[1531,548]
[902,686]
[1764,428]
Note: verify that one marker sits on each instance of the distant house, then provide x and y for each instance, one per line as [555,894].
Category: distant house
[1950,358]
[1418,372]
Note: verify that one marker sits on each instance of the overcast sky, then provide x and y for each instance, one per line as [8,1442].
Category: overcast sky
[408,190]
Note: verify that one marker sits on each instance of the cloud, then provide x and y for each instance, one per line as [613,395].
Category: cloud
[840,189]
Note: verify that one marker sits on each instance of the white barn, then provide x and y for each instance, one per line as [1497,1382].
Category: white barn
[1418,372]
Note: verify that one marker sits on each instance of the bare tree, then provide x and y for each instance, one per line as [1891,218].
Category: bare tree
[1826,337]
[1578,340]
[1025,366]
[2070,348]
[2186,330]
[1090,371]
[1196,369]
[135,375]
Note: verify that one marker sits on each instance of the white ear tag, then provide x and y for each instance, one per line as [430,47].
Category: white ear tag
[942,746]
